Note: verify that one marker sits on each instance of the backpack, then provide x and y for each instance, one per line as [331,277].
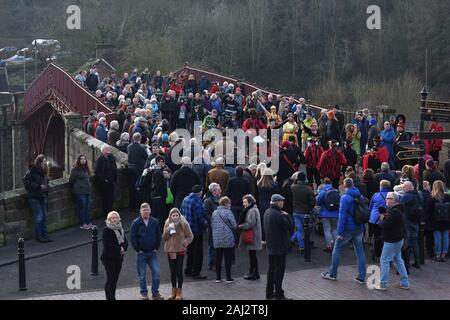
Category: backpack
[362,211]
[332,200]
[441,211]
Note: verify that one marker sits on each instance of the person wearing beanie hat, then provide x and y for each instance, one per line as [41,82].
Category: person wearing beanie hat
[277,223]
[304,202]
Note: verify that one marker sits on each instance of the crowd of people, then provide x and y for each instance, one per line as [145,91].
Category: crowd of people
[333,172]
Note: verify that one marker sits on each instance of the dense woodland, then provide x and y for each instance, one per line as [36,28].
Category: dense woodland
[320,49]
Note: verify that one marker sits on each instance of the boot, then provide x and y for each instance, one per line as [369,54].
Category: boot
[437,258]
[179,293]
[174,294]
[251,275]
[443,257]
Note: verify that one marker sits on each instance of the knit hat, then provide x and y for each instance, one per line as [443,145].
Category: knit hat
[165,137]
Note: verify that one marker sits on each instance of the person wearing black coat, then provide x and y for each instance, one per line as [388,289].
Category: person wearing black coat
[137,157]
[278,226]
[332,132]
[238,187]
[35,182]
[114,246]
[182,182]
[92,81]
[106,178]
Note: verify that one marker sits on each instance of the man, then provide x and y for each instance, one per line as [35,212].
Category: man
[211,203]
[331,162]
[158,190]
[340,119]
[304,201]
[348,230]
[145,236]
[363,127]
[386,174]
[106,178]
[447,170]
[183,181]
[238,187]
[137,156]
[101,132]
[192,209]
[219,175]
[156,151]
[413,203]
[392,227]
[277,224]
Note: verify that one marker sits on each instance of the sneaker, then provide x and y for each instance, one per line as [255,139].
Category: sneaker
[327,276]
[283,297]
[91,226]
[229,281]
[218,280]
[404,287]
[380,288]
[360,281]
[144,296]
[83,227]
[157,296]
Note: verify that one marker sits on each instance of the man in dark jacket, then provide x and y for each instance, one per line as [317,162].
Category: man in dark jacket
[106,178]
[386,174]
[447,170]
[145,237]
[158,190]
[278,225]
[183,181]
[36,185]
[392,227]
[238,187]
[137,156]
[211,202]
[303,203]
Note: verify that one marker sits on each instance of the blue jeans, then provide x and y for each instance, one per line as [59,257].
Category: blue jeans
[39,207]
[84,202]
[297,237]
[150,259]
[441,242]
[356,238]
[392,252]
[329,230]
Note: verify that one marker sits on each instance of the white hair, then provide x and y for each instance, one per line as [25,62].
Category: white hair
[393,195]
[137,137]
[213,186]
[125,136]
[105,147]
[114,124]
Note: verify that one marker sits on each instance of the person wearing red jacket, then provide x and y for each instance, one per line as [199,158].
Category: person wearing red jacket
[379,152]
[215,88]
[331,162]
[435,146]
[313,153]
[254,122]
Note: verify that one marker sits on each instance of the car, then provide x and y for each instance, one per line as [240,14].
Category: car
[7,52]
[47,44]
[15,60]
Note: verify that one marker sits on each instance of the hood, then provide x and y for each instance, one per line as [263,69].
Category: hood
[353,191]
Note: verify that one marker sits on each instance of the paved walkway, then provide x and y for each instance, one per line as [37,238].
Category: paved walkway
[432,282]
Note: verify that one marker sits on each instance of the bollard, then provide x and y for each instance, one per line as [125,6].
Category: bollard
[22,274]
[94,266]
[307,237]
[422,243]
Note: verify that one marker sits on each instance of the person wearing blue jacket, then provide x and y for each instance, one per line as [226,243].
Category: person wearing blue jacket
[378,201]
[348,230]
[328,218]
[145,237]
[388,138]
[101,133]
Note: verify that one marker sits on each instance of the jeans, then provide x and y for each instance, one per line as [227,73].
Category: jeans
[412,242]
[150,259]
[441,242]
[275,276]
[356,238]
[84,202]
[297,237]
[330,230]
[39,207]
[392,252]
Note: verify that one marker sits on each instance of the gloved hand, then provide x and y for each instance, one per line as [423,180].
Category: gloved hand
[145,173]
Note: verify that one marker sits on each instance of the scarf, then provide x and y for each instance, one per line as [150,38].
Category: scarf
[118,230]
[243,216]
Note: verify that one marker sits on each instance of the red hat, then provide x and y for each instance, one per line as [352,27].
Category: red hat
[238,89]
[286,144]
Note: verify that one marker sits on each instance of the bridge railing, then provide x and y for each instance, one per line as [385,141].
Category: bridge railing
[55,81]
[251,87]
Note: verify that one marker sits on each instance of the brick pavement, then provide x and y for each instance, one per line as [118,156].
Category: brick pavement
[432,282]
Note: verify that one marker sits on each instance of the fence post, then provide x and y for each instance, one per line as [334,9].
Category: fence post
[307,237]
[22,274]
[94,266]
[422,243]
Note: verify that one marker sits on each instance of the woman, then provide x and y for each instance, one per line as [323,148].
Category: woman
[178,236]
[407,174]
[387,138]
[251,223]
[378,201]
[123,143]
[432,173]
[290,129]
[114,246]
[223,227]
[438,216]
[368,179]
[36,185]
[267,187]
[354,135]
[81,187]
[332,131]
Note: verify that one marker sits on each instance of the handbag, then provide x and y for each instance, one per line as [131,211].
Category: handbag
[248,236]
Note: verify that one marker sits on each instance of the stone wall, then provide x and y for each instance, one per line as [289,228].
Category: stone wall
[16,218]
